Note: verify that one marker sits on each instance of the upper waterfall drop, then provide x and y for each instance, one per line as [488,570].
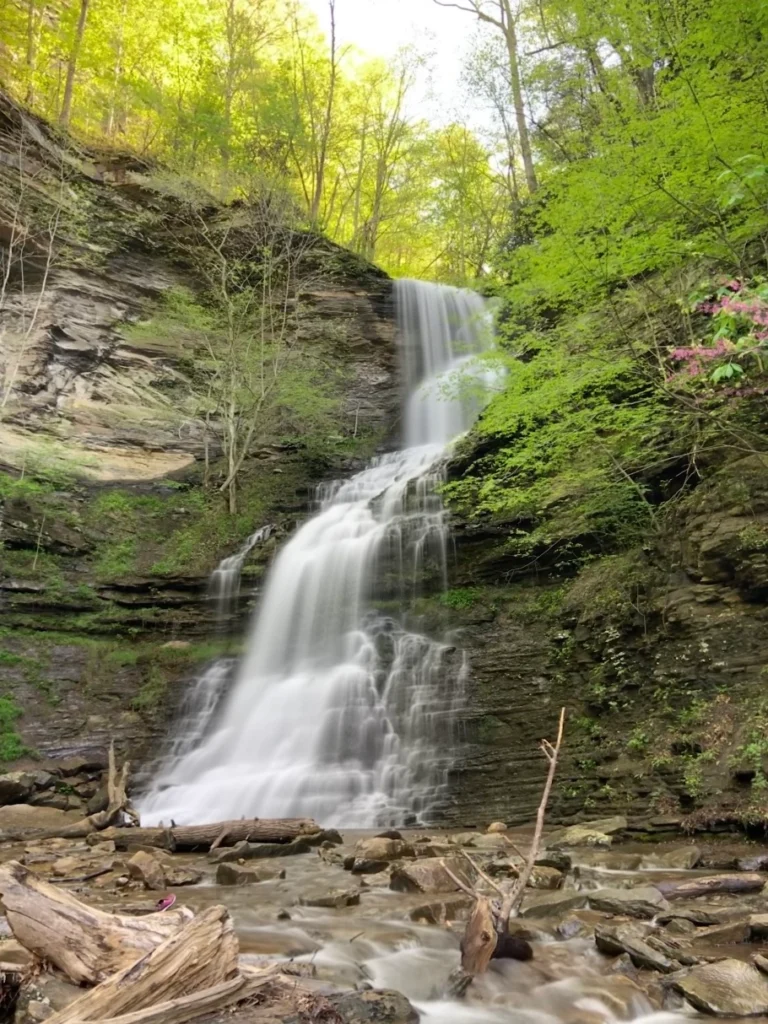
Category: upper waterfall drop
[338,711]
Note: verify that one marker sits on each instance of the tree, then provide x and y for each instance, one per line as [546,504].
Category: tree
[500,15]
[74,53]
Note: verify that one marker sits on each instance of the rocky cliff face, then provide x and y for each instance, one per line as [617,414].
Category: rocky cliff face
[659,653]
[108,534]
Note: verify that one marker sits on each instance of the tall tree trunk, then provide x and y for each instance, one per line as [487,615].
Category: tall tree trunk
[314,212]
[510,38]
[29,95]
[66,106]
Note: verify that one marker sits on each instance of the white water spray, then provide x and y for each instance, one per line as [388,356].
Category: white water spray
[338,712]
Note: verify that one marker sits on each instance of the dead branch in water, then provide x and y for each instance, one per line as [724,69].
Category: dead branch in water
[490,918]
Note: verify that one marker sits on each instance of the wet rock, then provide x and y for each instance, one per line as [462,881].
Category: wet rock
[449,908]
[382,849]
[429,876]
[545,878]
[233,875]
[643,902]
[616,861]
[573,927]
[491,843]
[99,801]
[736,884]
[374,1007]
[434,849]
[553,904]
[680,926]
[760,962]
[331,855]
[337,899]
[16,787]
[367,867]
[512,947]
[578,835]
[255,851]
[685,858]
[758,926]
[722,934]
[177,874]
[554,859]
[390,833]
[701,914]
[506,869]
[728,988]
[496,826]
[283,915]
[613,940]
[608,826]
[148,869]
[758,862]
[326,835]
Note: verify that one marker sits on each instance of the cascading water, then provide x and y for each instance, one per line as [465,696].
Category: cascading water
[338,711]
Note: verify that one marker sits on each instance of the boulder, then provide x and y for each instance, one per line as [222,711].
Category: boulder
[722,934]
[390,833]
[643,901]
[337,899]
[553,904]
[613,940]
[608,826]
[554,859]
[234,874]
[16,787]
[447,908]
[545,878]
[373,1007]
[429,875]
[757,862]
[728,988]
[701,914]
[496,826]
[579,835]
[180,874]
[684,858]
[758,926]
[382,849]
[148,869]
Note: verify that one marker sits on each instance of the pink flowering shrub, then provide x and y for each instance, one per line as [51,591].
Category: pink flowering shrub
[737,337]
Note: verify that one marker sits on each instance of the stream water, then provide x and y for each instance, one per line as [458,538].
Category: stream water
[338,710]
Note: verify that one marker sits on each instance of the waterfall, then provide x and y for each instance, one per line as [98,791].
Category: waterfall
[338,711]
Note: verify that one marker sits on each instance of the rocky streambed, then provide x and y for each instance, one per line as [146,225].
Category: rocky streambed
[609,930]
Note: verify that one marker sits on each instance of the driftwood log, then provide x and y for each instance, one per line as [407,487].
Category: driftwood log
[201,956]
[489,921]
[85,943]
[209,837]
[708,886]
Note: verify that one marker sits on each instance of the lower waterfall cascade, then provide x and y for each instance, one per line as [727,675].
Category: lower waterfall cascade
[337,710]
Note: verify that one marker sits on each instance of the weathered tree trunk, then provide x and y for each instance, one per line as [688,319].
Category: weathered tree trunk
[85,943]
[693,887]
[205,837]
[69,86]
[203,955]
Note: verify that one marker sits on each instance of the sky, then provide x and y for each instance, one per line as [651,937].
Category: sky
[381,27]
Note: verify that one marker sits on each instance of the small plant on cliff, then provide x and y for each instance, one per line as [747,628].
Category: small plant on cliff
[11,744]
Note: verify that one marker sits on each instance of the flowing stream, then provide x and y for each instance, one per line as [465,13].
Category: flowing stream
[338,711]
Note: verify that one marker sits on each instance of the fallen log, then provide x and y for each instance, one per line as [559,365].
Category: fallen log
[711,884]
[205,837]
[86,944]
[201,956]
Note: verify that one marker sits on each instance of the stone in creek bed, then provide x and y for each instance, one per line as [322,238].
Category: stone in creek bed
[728,988]
[496,826]
[233,874]
[428,876]
[722,934]
[701,914]
[334,900]
[382,849]
[449,908]
[551,904]
[252,851]
[759,862]
[576,836]
[643,902]
[374,1007]
[613,940]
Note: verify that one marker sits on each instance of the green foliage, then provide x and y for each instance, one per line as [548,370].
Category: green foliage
[11,744]
[460,598]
